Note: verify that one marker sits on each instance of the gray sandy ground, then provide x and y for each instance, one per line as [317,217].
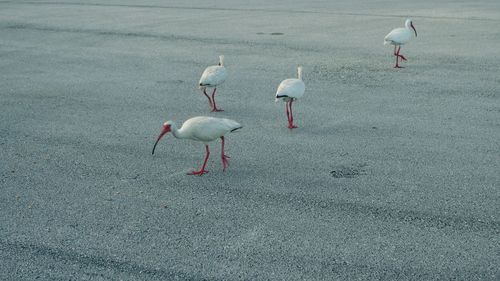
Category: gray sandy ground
[392,174]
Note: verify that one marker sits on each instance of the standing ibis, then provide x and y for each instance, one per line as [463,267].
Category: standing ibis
[399,37]
[212,77]
[203,129]
[290,90]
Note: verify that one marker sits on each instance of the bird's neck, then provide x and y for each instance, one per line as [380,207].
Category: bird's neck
[299,73]
[178,133]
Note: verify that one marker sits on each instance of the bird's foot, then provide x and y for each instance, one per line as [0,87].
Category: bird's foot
[199,172]
[225,162]
[217,110]
[291,126]
[397,66]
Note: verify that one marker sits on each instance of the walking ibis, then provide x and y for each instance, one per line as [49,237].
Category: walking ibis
[289,91]
[203,129]
[399,37]
[212,77]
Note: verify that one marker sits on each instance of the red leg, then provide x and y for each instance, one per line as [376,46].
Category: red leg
[397,57]
[287,112]
[223,156]
[215,109]
[290,120]
[397,62]
[401,56]
[202,170]
[209,100]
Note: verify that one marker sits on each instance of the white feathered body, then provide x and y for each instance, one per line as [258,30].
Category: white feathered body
[206,129]
[291,89]
[213,76]
[398,36]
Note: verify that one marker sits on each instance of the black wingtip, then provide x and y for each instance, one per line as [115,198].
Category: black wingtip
[281,96]
[236,129]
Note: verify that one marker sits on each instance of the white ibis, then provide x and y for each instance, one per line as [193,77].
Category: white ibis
[398,37]
[204,129]
[212,77]
[290,90]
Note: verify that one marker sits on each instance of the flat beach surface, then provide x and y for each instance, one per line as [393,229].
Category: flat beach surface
[392,174]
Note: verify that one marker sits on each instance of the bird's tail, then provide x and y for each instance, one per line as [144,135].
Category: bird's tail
[278,97]
[236,128]
[233,125]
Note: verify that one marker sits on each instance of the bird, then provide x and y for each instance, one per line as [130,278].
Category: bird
[212,77]
[204,129]
[399,37]
[289,91]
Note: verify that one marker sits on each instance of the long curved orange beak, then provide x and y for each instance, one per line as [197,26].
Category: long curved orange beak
[414,29]
[164,131]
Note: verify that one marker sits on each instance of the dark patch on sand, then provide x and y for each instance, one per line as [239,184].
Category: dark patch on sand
[350,171]
[272,33]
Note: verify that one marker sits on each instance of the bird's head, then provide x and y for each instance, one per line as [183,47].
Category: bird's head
[166,127]
[409,23]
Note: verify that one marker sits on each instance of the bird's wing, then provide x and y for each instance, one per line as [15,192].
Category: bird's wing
[292,88]
[398,36]
[213,76]
[204,128]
